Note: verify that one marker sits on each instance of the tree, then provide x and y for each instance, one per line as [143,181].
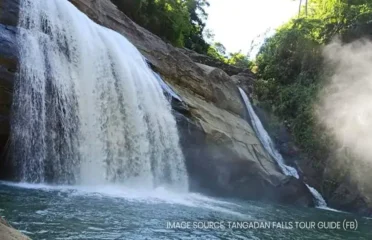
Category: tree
[180,22]
[209,35]
[220,48]
[194,40]
[240,60]
[214,53]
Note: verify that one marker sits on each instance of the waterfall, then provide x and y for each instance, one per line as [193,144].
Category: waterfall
[320,202]
[86,108]
[167,88]
[270,148]
[265,138]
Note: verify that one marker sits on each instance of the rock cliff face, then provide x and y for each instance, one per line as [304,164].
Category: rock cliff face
[223,155]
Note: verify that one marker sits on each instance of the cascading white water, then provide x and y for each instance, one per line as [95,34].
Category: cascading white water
[320,202]
[166,88]
[265,138]
[270,148]
[87,109]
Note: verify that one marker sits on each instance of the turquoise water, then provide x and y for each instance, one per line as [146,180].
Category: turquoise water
[112,212]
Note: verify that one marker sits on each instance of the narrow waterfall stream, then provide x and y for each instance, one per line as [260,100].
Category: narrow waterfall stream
[92,109]
[320,202]
[166,88]
[274,153]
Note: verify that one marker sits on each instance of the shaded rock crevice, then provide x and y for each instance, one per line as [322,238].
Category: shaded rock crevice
[9,12]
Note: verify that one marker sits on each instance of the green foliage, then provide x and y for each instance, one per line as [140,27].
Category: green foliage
[180,22]
[239,60]
[194,39]
[220,48]
[215,53]
[290,65]
[337,17]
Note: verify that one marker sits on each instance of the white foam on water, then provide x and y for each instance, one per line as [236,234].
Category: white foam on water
[96,229]
[332,209]
[42,212]
[26,232]
[147,196]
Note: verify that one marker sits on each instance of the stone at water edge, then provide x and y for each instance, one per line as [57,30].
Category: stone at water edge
[9,233]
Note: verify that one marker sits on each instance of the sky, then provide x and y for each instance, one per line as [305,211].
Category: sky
[236,23]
